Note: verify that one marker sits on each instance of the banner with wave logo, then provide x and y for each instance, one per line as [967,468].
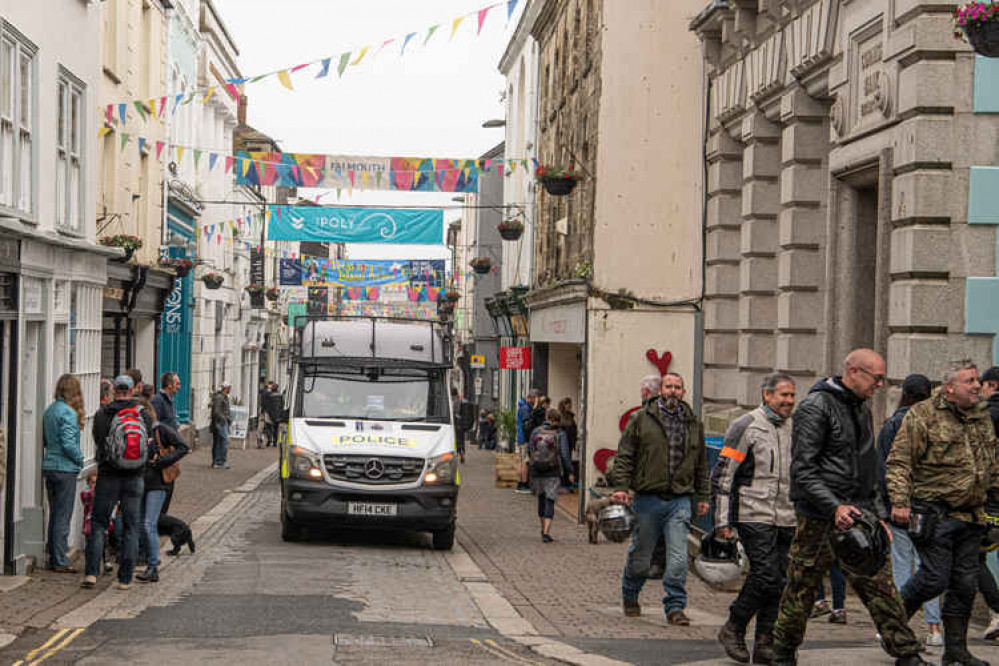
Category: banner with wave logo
[335,224]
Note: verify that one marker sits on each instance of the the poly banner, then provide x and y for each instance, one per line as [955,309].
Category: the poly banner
[334,224]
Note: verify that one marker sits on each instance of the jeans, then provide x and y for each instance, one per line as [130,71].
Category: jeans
[837,581]
[656,517]
[766,547]
[948,563]
[60,488]
[152,504]
[904,562]
[111,490]
[220,444]
[546,507]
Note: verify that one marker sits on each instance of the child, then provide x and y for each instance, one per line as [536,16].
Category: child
[87,500]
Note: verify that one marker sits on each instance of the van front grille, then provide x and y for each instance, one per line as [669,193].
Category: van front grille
[374,470]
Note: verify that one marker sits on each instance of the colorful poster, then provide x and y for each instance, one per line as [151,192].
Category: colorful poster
[356,225]
[371,273]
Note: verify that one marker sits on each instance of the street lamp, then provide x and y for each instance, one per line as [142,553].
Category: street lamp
[496,122]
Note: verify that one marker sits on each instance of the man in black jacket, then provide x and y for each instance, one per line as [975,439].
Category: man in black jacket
[162,402]
[115,486]
[834,474]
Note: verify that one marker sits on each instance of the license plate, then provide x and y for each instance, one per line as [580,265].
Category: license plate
[370,509]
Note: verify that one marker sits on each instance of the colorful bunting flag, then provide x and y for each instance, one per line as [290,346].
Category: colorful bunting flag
[406,42]
[103,132]
[285,79]
[228,163]
[482,18]
[455,25]
[344,60]
[325,70]
[510,6]
[124,140]
[430,33]
[357,60]
[212,158]
[121,112]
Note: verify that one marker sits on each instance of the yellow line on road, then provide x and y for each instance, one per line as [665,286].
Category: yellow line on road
[31,655]
[66,641]
[516,656]
[499,652]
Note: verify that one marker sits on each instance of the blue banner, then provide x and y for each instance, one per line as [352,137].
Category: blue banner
[312,271]
[355,225]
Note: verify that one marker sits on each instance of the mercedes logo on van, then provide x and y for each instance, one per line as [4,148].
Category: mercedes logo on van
[374,469]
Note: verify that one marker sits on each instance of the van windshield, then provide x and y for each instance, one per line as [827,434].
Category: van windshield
[382,394]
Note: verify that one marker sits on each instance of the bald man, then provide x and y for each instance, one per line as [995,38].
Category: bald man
[834,474]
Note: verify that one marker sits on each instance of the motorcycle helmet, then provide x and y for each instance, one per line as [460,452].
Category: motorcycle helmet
[718,564]
[616,522]
[862,549]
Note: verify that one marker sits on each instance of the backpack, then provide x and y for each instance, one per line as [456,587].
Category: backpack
[127,445]
[544,452]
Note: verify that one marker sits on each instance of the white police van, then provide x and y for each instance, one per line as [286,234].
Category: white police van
[370,442]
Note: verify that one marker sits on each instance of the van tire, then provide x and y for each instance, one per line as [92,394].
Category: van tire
[444,539]
[290,531]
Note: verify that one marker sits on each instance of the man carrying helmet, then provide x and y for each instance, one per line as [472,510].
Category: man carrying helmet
[834,480]
[940,473]
[751,486]
[661,457]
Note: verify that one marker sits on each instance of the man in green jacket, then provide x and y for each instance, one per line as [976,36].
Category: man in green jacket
[662,459]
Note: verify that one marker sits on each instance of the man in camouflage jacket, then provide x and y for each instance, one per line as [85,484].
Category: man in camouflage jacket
[943,463]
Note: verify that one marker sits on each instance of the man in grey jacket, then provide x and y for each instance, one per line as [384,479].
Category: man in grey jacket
[751,488]
[221,420]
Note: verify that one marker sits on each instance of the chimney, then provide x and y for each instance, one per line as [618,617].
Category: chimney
[241,109]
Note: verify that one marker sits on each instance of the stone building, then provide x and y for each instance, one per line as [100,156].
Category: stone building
[850,195]
[617,270]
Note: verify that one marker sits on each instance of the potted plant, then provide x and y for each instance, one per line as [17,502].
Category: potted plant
[255,288]
[212,280]
[481,265]
[126,242]
[272,294]
[978,22]
[510,230]
[557,182]
[181,266]
[451,296]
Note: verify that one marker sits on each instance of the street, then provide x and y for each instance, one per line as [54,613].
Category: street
[500,597]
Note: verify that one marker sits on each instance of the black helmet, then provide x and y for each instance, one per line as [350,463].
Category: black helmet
[862,549]
[714,549]
[718,563]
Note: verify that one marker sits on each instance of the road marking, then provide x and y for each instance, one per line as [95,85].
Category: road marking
[66,641]
[495,650]
[31,655]
[497,646]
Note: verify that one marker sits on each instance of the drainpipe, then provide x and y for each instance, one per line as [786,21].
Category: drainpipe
[10,482]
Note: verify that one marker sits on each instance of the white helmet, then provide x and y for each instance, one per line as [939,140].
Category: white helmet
[720,562]
[616,522]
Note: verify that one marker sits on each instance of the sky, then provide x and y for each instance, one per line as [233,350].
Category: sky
[429,102]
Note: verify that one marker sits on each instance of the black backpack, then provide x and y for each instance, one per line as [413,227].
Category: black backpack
[544,452]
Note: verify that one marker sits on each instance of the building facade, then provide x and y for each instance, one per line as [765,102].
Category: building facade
[52,271]
[617,269]
[851,194]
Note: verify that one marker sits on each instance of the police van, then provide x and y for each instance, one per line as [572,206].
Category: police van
[370,441]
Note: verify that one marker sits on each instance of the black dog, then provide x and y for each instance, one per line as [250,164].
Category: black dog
[178,531]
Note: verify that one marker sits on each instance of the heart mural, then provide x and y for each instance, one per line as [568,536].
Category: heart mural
[661,362]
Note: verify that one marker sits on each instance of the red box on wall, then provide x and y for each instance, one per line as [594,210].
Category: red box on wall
[515,358]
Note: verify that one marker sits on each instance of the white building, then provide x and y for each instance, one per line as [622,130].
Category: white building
[51,270]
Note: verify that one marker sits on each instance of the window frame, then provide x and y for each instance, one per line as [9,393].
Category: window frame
[23,185]
[73,144]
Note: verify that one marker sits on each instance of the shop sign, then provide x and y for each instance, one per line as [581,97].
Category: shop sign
[477,361]
[515,358]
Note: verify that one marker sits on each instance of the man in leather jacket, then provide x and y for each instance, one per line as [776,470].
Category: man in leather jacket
[834,474]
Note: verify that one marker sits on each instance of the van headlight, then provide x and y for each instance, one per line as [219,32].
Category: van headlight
[304,464]
[441,470]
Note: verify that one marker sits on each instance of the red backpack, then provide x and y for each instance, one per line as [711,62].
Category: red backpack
[127,445]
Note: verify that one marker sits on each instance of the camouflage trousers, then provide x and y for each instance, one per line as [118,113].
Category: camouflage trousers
[810,557]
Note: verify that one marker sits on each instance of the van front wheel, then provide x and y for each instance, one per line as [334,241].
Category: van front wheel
[444,539]
[290,531]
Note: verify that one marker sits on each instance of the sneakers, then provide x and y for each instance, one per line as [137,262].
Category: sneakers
[150,575]
[933,639]
[547,538]
[122,585]
[992,631]
[733,641]
[820,608]
[677,618]
[631,608]
[89,581]
[838,616]
[523,488]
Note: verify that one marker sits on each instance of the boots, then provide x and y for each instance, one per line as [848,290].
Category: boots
[763,649]
[733,640]
[956,644]
[150,575]
[914,660]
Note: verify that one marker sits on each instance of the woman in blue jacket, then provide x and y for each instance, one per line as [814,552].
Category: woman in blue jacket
[61,463]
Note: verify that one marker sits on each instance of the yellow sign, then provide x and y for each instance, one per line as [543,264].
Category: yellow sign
[477,361]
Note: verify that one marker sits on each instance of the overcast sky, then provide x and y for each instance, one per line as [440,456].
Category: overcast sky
[430,102]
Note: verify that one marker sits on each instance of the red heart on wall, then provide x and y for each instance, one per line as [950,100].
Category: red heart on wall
[661,362]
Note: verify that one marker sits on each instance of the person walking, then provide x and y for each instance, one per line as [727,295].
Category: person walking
[904,558]
[834,466]
[221,420]
[942,467]
[273,410]
[161,473]
[525,408]
[163,401]
[751,489]
[549,456]
[662,459]
[62,461]
[125,419]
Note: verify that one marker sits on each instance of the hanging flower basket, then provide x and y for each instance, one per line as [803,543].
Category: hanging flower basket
[978,22]
[272,294]
[557,182]
[451,296]
[481,265]
[255,288]
[125,241]
[510,230]
[212,280]
[181,266]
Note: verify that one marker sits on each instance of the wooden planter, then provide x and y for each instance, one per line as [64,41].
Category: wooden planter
[558,187]
[984,38]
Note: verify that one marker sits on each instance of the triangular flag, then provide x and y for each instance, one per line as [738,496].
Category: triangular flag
[406,42]
[110,114]
[228,163]
[357,60]
[298,67]
[285,79]
[163,103]
[483,13]
[180,154]
[510,6]
[208,95]
[325,70]
[257,78]
[244,165]
[364,178]
[121,112]
[384,44]
[344,59]
[152,105]
[430,33]
[232,90]
[455,25]
[350,172]
[176,102]
[141,108]
[197,157]
[124,140]
[142,144]
[103,132]
[212,158]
